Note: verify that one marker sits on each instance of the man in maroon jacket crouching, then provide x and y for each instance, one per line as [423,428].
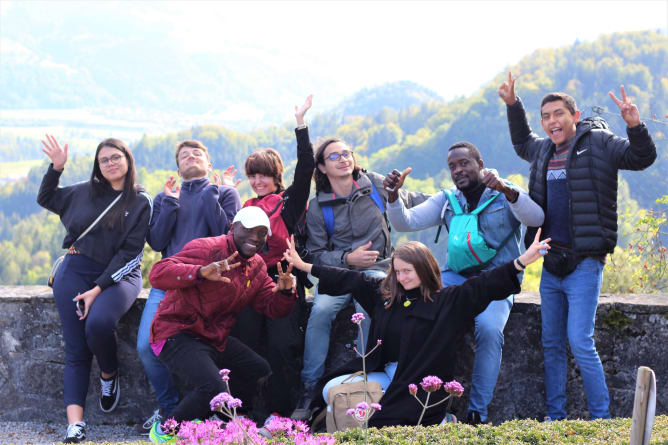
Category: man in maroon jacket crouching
[208,283]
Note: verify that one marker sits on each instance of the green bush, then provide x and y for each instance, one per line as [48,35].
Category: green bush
[603,432]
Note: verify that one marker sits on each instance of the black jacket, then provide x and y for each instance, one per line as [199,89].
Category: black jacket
[122,251]
[591,176]
[429,335]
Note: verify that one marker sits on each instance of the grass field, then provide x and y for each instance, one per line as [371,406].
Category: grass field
[11,171]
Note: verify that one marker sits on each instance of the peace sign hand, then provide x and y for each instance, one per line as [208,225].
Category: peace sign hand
[215,270]
[286,281]
[57,155]
[629,111]
[507,90]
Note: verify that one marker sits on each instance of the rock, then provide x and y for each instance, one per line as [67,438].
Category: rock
[631,331]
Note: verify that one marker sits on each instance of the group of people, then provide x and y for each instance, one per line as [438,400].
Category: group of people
[224,295]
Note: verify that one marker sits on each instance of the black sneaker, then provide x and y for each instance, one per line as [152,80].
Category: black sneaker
[303,409]
[75,433]
[110,392]
[473,418]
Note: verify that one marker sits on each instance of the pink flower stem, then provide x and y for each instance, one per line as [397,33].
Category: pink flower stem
[424,408]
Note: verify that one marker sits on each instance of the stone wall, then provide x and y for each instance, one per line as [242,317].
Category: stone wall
[631,331]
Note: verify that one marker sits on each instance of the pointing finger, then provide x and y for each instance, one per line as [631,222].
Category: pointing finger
[280,269]
[289,271]
[623,94]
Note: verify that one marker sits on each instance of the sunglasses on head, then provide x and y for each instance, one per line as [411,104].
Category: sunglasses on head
[345,154]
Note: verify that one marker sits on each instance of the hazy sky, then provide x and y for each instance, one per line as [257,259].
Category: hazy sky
[450,47]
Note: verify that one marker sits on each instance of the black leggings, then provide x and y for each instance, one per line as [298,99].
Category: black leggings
[196,364]
[96,335]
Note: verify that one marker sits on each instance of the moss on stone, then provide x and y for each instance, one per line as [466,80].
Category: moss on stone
[617,320]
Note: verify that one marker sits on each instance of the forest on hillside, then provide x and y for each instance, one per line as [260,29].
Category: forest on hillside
[392,126]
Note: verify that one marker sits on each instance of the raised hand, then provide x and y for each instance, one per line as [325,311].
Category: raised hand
[57,155]
[215,270]
[286,281]
[170,190]
[301,111]
[507,90]
[536,250]
[227,178]
[629,111]
[393,182]
[362,256]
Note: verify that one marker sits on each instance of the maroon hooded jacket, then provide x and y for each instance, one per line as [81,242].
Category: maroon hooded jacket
[208,309]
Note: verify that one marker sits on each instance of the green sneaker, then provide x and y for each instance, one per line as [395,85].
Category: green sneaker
[157,436]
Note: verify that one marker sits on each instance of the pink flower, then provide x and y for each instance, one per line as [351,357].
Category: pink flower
[170,425]
[234,403]
[350,412]
[224,371]
[363,406]
[226,378]
[431,383]
[379,342]
[375,406]
[358,317]
[412,388]
[454,388]
[221,399]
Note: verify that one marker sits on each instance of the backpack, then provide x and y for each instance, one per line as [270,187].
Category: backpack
[467,249]
[328,211]
[346,396]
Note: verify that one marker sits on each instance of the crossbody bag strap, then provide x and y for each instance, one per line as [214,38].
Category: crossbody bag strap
[104,212]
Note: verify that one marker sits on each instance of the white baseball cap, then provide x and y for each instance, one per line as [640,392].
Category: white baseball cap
[251,217]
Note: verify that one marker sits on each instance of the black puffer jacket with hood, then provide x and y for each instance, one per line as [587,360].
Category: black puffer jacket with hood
[593,161]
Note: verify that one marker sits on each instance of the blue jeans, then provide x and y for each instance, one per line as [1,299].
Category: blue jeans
[157,372]
[384,378]
[324,311]
[568,309]
[488,336]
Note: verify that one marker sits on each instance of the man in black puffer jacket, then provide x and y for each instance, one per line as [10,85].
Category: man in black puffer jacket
[574,179]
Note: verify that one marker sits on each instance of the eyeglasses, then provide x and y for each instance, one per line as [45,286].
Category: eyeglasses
[345,154]
[114,159]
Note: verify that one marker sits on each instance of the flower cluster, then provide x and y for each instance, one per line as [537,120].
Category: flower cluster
[224,399]
[431,383]
[169,426]
[239,430]
[282,428]
[363,411]
[454,388]
[224,374]
[212,432]
[358,318]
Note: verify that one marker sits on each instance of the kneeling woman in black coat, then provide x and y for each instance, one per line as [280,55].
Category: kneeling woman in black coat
[417,321]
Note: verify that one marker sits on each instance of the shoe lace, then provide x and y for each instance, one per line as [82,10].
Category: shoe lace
[106,387]
[74,430]
[155,417]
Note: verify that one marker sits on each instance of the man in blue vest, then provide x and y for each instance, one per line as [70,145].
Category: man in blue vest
[346,227]
[506,209]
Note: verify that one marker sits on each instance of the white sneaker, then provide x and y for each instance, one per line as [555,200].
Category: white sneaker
[75,433]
